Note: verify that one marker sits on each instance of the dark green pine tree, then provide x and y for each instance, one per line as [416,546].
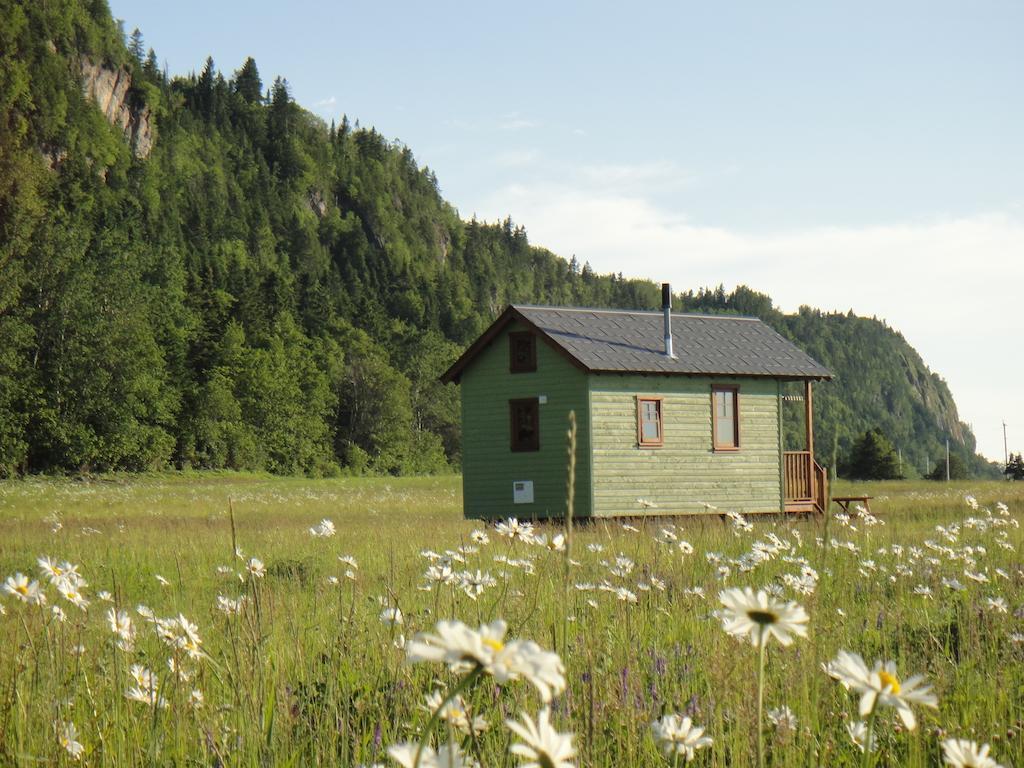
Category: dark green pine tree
[1015,467]
[247,82]
[135,46]
[873,458]
[957,469]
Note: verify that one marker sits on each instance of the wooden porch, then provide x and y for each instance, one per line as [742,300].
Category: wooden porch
[805,482]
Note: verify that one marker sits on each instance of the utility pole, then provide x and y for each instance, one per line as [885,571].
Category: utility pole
[899,456]
[947,459]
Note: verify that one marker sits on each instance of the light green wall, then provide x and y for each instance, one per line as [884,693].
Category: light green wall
[686,473]
[489,467]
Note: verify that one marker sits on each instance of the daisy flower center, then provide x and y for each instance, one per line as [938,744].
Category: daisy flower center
[494,645]
[891,681]
[21,589]
[764,618]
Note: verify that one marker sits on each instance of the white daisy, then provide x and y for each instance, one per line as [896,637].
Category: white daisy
[20,587]
[961,753]
[676,735]
[69,741]
[760,616]
[541,745]
[882,685]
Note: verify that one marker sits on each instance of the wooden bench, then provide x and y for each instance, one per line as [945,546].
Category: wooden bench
[845,501]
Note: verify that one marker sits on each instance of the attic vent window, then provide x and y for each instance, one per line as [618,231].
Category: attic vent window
[522,351]
[525,424]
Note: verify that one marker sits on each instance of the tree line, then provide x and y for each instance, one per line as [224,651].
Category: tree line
[267,291]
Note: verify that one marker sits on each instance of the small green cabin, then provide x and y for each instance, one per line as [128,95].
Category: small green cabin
[676,414]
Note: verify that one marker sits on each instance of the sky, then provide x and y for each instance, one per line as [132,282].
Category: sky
[865,156]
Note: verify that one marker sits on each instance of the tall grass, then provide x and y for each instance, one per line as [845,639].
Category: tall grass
[309,674]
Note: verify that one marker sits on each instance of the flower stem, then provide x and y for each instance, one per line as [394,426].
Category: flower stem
[760,701]
[464,683]
[866,760]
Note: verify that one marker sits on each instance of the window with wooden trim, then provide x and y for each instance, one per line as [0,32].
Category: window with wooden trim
[524,416]
[725,418]
[649,427]
[522,352]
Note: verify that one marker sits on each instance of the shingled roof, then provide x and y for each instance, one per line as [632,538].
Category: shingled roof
[619,341]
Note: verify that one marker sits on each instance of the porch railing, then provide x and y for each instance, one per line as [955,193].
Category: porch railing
[805,479]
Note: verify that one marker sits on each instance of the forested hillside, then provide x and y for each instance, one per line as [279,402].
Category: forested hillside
[195,271]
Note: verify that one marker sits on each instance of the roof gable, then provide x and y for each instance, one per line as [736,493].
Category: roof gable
[617,341]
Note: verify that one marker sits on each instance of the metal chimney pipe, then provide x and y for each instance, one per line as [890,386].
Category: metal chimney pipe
[666,307]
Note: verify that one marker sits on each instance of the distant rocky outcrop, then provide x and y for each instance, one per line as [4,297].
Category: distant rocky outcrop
[110,89]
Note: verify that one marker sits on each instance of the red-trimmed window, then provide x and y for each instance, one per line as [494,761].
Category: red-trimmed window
[725,418]
[650,431]
[524,415]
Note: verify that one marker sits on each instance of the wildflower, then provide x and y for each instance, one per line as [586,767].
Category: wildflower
[783,719]
[961,753]
[677,736]
[19,586]
[189,640]
[630,528]
[625,595]
[121,625]
[881,685]
[541,744]
[953,584]
[228,605]
[446,756]
[858,732]
[623,566]
[474,584]
[179,672]
[998,604]
[256,568]
[324,529]
[979,577]
[513,529]
[333,581]
[51,569]
[104,596]
[527,660]
[392,617]
[196,699]
[595,547]
[456,712]
[480,537]
[761,616]
[555,543]
[163,582]
[69,741]
[58,614]
[69,592]
[685,547]
[923,590]
[456,644]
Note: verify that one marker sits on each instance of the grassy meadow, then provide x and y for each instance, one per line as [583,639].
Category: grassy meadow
[312,670]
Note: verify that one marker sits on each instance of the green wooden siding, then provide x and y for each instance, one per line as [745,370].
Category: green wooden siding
[489,466]
[685,474]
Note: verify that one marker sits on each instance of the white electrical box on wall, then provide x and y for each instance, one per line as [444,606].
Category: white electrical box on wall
[522,492]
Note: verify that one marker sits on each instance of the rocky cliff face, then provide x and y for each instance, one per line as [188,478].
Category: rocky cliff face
[110,88]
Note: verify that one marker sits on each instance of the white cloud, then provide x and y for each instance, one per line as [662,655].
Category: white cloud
[330,101]
[516,158]
[952,285]
[513,121]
